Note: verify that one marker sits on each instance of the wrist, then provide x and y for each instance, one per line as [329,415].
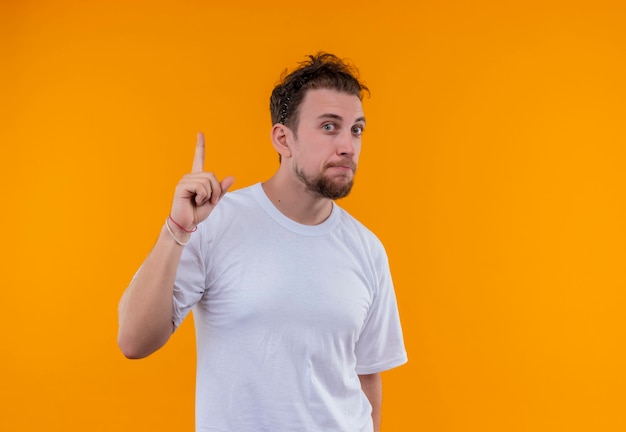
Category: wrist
[180,227]
[179,235]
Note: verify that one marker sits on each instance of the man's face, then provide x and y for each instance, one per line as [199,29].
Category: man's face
[327,145]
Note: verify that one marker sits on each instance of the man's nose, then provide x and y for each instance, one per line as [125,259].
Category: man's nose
[346,145]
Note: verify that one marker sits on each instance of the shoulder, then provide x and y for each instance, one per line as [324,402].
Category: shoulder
[243,196]
[232,207]
[359,232]
[233,204]
[351,222]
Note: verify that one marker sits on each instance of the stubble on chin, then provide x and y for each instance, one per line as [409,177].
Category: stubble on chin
[325,187]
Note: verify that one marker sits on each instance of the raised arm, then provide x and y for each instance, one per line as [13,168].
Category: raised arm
[145,309]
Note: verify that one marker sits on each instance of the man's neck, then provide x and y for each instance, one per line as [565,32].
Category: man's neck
[293,200]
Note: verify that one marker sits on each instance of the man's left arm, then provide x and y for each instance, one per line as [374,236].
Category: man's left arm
[372,385]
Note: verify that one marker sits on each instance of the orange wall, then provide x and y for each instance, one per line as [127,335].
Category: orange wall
[492,169]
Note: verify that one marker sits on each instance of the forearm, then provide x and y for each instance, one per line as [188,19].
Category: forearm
[145,309]
[372,386]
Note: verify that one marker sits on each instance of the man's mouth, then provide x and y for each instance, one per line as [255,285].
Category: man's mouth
[346,165]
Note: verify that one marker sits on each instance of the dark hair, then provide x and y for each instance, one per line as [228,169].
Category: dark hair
[320,71]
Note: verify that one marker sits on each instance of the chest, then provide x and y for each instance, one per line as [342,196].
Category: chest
[302,282]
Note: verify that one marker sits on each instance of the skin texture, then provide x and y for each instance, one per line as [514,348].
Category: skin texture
[326,146]
[318,164]
[372,386]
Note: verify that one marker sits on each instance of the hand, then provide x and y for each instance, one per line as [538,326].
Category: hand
[198,193]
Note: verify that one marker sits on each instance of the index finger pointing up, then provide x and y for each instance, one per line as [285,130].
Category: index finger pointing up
[198,157]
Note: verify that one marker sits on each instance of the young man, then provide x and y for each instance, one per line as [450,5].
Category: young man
[293,301]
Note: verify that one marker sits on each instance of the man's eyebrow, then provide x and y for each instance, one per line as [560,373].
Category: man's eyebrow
[338,117]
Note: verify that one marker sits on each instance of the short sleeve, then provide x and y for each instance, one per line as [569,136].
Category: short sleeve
[381,346]
[190,282]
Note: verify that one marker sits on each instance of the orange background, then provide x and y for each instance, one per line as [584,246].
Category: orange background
[492,170]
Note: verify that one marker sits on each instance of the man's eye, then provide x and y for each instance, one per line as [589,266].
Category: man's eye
[328,127]
[357,130]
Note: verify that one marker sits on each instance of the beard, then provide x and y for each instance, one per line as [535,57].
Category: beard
[325,187]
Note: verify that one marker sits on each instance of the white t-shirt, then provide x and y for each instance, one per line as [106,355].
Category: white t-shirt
[287,315]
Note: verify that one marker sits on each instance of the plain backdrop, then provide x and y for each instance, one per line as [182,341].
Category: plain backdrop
[492,170]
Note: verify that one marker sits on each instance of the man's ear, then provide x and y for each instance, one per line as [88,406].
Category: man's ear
[281,139]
